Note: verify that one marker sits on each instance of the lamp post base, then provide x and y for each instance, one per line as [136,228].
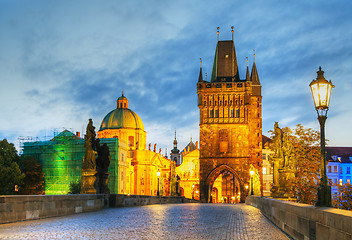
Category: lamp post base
[324,194]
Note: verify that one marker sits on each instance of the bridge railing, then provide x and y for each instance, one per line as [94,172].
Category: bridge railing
[303,221]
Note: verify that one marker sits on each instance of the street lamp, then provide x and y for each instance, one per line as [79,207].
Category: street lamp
[252,173]
[321,91]
[193,191]
[158,174]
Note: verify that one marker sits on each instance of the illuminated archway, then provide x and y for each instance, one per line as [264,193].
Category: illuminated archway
[214,175]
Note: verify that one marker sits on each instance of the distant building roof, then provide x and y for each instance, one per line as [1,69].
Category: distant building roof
[343,154]
[265,139]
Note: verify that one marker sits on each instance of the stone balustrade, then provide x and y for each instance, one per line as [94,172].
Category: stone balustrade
[303,221]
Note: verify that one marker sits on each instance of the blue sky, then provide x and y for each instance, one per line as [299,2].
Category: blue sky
[63,62]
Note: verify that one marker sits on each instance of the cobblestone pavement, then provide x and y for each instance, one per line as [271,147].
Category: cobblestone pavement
[172,221]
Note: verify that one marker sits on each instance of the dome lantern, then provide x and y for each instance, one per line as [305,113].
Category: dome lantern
[122,102]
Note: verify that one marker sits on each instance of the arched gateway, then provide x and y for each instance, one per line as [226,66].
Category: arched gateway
[230,128]
[218,172]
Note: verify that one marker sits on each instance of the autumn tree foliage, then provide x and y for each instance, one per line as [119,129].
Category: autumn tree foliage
[306,142]
[305,153]
[343,199]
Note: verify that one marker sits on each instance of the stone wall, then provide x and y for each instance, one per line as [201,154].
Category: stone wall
[18,208]
[302,221]
[121,200]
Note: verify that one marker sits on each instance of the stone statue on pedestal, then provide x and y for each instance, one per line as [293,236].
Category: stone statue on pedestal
[283,164]
[88,177]
[94,178]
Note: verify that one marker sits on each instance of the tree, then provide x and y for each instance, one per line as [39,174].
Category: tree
[10,173]
[75,187]
[306,142]
[305,154]
[34,179]
[343,199]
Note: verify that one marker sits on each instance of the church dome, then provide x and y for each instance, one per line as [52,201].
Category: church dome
[121,117]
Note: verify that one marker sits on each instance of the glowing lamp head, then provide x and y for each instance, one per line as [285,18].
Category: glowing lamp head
[158,173]
[193,186]
[321,91]
[246,186]
[251,172]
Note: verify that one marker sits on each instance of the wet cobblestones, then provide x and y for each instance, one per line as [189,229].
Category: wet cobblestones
[173,221]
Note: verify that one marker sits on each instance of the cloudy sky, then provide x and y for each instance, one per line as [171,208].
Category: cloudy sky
[63,62]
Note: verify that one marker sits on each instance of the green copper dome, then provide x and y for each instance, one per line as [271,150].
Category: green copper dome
[121,118]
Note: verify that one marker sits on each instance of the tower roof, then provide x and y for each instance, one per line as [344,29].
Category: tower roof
[225,66]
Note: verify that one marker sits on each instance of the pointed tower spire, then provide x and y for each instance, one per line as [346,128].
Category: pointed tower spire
[247,73]
[200,78]
[225,66]
[256,87]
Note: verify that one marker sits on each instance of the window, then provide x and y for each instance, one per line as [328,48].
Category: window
[348,170]
[340,168]
[211,113]
[335,169]
[329,169]
[237,113]
[341,181]
[232,115]
[264,170]
[348,180]
[130,141]
[216,113]
[264,156]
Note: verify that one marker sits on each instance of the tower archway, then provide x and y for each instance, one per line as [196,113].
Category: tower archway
[237,187]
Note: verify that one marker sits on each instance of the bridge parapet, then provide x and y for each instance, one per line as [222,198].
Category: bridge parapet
[15,208]
[303,221]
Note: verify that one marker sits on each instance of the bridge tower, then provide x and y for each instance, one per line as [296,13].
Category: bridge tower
[230,125]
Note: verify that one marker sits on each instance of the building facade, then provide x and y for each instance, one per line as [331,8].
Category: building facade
[230,127]
[339,166]
[138,169]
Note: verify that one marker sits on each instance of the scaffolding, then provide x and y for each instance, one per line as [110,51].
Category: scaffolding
[62,158]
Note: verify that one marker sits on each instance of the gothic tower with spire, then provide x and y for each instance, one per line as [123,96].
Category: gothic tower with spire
[175,154]
[230,123]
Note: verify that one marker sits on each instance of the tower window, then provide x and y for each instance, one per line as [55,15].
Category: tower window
[237,113]
[130,141]
[216,113]
[211,113]
[232,115]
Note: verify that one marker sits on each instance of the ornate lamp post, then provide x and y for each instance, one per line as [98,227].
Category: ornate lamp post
[321,91]
[158,174]
[252,173]
[193,191]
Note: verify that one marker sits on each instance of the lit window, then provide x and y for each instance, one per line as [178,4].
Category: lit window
[348,180]
[335,169]
[341,181]
[329,169]
[264,170]
[211,113]
[232,115]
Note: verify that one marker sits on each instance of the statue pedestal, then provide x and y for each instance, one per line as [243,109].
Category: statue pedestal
[88,182]
[286,183]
